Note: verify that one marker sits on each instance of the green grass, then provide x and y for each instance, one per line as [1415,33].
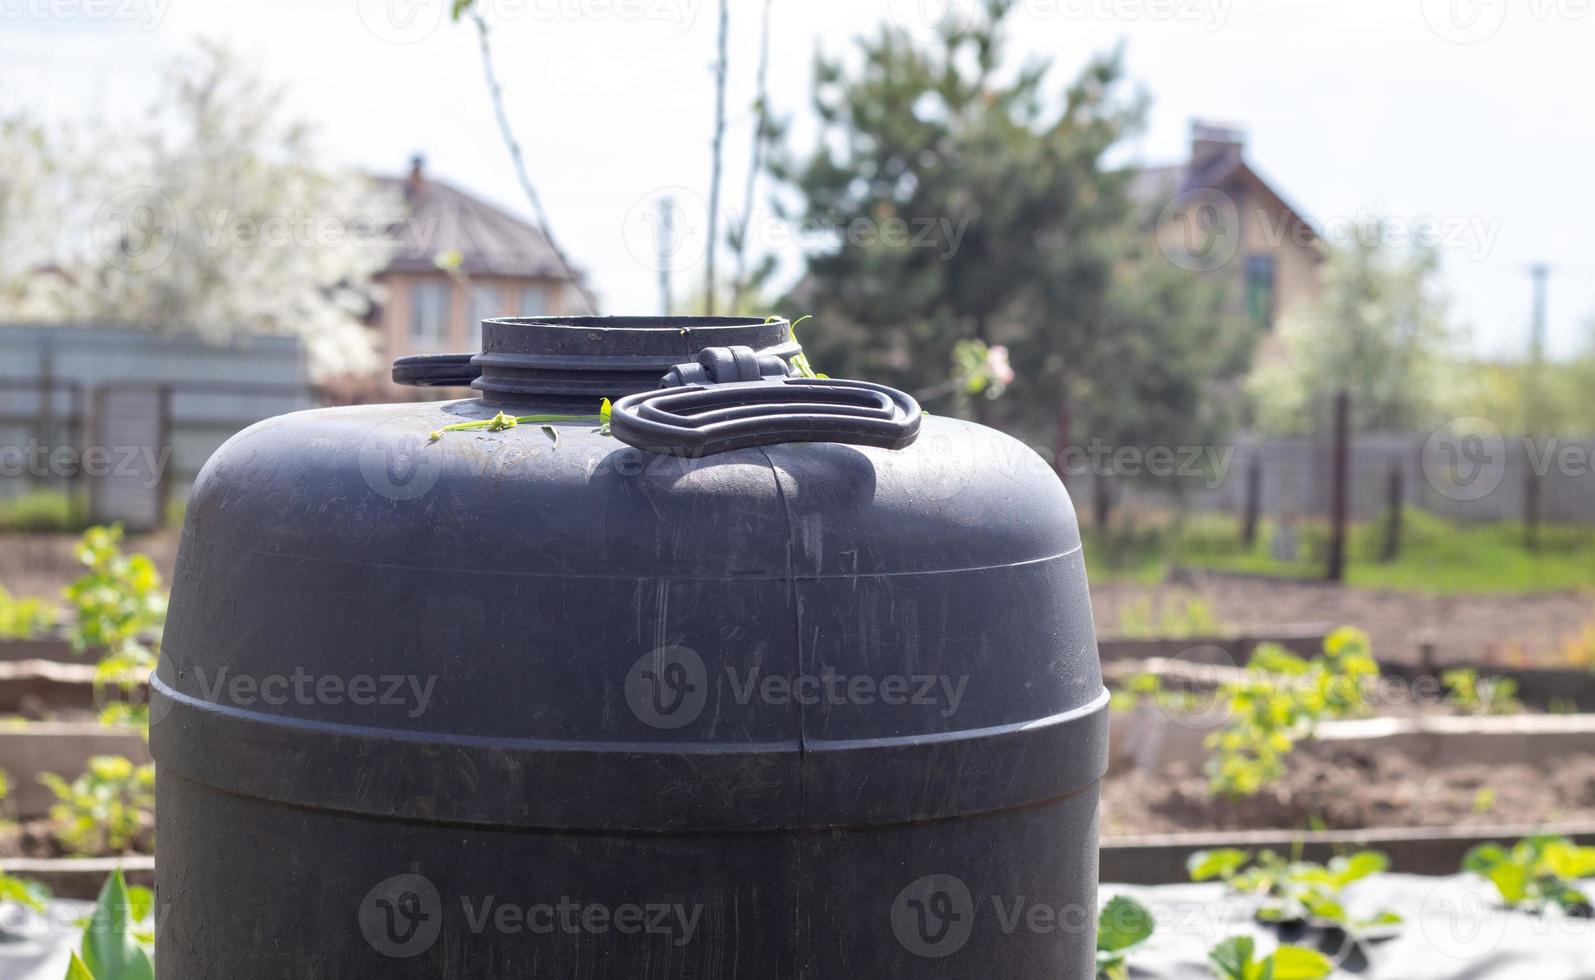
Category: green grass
[1436,556]
[47,511]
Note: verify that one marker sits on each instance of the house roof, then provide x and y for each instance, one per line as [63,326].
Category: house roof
[489,240]
[1155,187]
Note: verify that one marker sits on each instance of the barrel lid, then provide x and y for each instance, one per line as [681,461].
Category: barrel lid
[591,357]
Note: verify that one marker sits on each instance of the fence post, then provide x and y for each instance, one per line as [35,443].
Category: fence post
[1392,547]
[1340,489]
[1254,500]
[1531,501]
[163,450]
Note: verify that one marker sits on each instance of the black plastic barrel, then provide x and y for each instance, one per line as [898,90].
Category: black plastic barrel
[536,702]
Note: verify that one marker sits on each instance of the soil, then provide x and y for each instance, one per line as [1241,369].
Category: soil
[36,839]
[1510,630]
[1353,790]
[42,564]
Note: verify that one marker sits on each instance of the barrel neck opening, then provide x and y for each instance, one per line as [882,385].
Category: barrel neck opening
[578,360]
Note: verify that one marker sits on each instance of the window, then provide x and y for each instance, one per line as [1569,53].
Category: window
[487,302]
[1260,290]
[534,301]
[429,312]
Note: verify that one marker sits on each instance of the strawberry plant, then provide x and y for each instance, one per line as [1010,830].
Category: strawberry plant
[1236,959]
[17,890]
[106,809]
[1536,873]
[1475,695]
[1297,891]
[1123,926]
[23,619]
[1279,702]
[119,598]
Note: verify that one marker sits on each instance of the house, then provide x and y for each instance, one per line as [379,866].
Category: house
[1215,215]
[459,261]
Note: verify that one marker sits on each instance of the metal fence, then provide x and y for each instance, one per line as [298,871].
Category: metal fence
[123,419]
[1467,478]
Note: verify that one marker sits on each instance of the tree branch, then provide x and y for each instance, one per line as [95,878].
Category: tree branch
[761,124]
[714,171]
[519,161]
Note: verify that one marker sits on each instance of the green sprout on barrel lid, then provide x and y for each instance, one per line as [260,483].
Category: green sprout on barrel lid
[800,360]
[500,422]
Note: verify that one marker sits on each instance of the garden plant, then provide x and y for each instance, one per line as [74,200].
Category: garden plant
[1537,873]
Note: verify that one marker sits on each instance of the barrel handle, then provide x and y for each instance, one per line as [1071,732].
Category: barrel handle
[728,400]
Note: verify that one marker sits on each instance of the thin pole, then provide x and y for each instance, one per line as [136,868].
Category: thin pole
[1534,420]
[666,242]
[1254,500]
[1339,502]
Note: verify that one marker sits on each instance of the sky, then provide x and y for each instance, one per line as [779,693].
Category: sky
[1467,119]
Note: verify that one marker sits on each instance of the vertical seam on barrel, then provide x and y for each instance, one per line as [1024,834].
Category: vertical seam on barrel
[792,598]
[797,893]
